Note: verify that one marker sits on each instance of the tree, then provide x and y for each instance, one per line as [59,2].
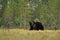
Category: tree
[3,4]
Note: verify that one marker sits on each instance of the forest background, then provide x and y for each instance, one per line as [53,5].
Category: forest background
[18,13]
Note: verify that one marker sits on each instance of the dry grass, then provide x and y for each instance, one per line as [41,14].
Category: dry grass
[20,34]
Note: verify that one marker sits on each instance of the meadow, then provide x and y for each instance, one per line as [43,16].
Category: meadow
[21,34]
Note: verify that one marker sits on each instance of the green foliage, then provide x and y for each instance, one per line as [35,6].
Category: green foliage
[20,12]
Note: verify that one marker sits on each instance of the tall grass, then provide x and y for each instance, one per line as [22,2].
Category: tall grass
[20,34]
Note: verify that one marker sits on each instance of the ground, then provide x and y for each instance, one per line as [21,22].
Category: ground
[20,34]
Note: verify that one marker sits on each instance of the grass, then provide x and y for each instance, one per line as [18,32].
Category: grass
[20,34]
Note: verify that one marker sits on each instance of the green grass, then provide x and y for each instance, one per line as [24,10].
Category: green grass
[20,34]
